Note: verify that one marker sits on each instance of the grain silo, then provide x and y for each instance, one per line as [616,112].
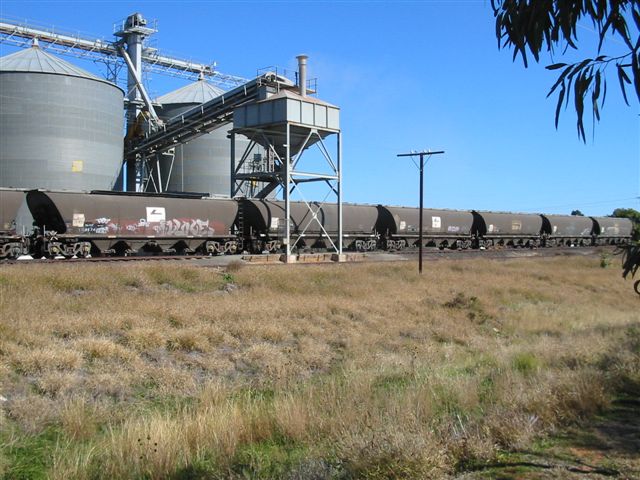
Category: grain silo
[203,164]
[60,126]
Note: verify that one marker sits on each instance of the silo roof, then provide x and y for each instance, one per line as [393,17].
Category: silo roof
[194,93]
[35,60]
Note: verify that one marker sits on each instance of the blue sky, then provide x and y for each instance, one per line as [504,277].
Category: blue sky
[406,75]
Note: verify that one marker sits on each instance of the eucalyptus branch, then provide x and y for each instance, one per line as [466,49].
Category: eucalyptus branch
[533,26]
[587,77]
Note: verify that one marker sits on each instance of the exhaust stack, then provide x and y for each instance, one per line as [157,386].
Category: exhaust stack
[302,74]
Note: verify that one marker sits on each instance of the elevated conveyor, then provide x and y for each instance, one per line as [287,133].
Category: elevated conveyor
[203,118]
[19,33]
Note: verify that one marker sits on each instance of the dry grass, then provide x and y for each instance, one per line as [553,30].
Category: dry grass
[139,371]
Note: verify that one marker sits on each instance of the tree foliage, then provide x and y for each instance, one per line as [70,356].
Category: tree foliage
[530,27]
[630,253]
[632,215]
[577,213]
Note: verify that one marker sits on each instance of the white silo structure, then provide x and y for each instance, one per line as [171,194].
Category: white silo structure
[60,126]
[202,165]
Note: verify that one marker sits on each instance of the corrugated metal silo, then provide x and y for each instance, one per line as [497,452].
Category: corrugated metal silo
[202,165]
[60,126]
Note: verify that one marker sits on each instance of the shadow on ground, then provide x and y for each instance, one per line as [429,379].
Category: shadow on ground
[605,447]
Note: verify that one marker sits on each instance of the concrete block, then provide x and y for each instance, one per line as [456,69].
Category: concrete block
[288,258]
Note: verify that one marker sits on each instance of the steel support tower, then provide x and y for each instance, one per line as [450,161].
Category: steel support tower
[286,122]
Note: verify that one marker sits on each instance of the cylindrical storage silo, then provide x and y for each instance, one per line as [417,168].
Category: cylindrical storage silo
[203,164]
[60,126]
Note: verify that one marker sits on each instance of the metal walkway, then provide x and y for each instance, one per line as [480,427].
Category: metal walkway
[203,118]
[19,33]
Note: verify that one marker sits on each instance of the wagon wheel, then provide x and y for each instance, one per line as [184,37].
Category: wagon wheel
[636,287]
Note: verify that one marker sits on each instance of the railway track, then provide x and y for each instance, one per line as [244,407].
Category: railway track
[511,252]
[144,258]
[377,256]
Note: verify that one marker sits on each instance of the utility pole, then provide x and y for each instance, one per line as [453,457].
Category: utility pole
[422,156]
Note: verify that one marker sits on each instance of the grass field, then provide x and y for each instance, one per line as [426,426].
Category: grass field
[344,371]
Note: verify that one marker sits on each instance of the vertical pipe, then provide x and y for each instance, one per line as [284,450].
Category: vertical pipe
[134,50]
[159,173]
[287,200]
[125,176]
[233,164]
[181,168]
[302,69]
[339,172]
[421,208]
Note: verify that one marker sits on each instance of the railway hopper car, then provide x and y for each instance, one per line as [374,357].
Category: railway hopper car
[567,230]
[498,229]
[263,225]
[79,224]
[612,230]
[358,225]
[15,223]
[68,224]
[399,228]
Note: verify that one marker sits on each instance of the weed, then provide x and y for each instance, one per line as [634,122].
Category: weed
[393,381]
[235,266]
[183,279]
[30,456]
[132,282]
[268,459]
[67,285]
[525,363]
[472,304]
